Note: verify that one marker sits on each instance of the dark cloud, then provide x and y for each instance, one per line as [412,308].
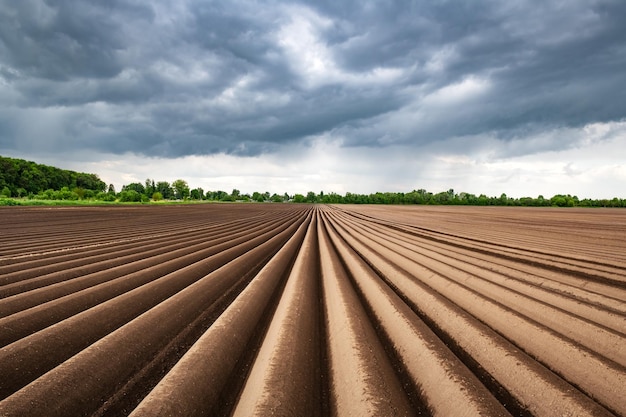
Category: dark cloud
[245,77]
[61,40]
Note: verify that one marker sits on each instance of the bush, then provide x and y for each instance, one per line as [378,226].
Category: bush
[130,196]
[102,196]
[8,202]
[65,194]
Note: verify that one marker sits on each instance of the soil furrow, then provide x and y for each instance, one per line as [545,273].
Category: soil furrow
[437,374]
[594,374]
[362,379]
[196,385]
[66,271]
[533,387]
[557,261]
[596,294]
[285,378]
[79,331]
[492,285]
[90,251]
[291,309]
[101,287]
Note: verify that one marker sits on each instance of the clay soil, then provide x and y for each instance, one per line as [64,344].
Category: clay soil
[299,310]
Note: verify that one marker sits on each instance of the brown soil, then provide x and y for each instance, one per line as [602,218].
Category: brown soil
[292,310]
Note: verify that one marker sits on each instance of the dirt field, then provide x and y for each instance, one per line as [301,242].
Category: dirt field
[296,310]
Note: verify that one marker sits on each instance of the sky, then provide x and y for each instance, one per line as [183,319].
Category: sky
[525,98]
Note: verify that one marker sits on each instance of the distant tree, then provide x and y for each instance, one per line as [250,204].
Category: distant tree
[441,198]
[527,201]
[130,196]
[226,197]
[349,198]
[135,186]
[34,178]
[181,189]
[197,194]
[149,186]
[65,194]
[298,198]
[89,182]
[331,198]
[311,197]
[219,194]
[157,196]
[111,189]
[235,194]
[80,192]
[483,200]
[165,189]
[561,200]
[102,196]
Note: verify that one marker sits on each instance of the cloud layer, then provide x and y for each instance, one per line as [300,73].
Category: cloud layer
[247,78]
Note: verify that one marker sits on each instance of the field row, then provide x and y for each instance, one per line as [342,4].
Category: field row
[293,310]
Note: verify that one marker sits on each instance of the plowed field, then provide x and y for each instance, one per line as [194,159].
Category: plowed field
[297,310]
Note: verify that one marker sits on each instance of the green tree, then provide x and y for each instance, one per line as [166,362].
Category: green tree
[558,200]
[226,197]
[135,186]
[165,189]
[80,192]
[32,179]
[89,181]
[197,194]
[311,197]
[130,196]
[102,196]
[150,187]
[181,189]
[221,196]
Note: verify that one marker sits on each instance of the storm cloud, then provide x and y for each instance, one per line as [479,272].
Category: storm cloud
[248,78]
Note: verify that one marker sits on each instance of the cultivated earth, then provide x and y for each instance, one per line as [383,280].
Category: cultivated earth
[300,310]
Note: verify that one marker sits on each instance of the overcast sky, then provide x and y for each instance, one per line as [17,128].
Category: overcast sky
[521,97]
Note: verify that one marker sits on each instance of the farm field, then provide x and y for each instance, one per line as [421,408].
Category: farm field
[312,310]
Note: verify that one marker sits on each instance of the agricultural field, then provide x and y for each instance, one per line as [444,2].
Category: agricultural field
[312,310]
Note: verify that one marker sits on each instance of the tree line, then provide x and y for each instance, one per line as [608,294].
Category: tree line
[26,179]
[20,178]
[451,198]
